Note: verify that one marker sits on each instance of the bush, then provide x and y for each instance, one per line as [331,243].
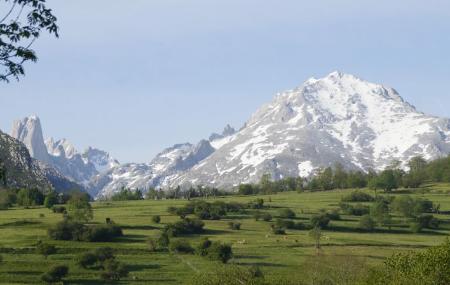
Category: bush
[356,210]
[234,226]
[86,260]
[50,200]
[68,230]
[284,224]
[358,196]
[59,209]
[181,246]
[219,251]
[156,219]
[163,240]
[185,227]
[95,259]
[152,244]
[367,223]
[102,233]
[114,270]
[257,204]
[45,249]
[424,267]
[276,230]
[334,215]
[320,221]
[55,274]
[286,214]
[267,217]
[202,248]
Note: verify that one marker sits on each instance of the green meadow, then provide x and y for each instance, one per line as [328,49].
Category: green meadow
[253,245]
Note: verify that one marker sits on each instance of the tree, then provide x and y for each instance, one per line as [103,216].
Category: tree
[266,184]
[45,249]
[340,177]
[325,179]
[55,274]
[367,223]
[387,180]
[20,26]
[30,197]
[219,251]
[50,200]
[316,235]
[379,211]
[114,270]
[79,209]
[2,175]
[417,172]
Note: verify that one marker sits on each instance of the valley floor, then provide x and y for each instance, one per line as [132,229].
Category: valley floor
[254,244]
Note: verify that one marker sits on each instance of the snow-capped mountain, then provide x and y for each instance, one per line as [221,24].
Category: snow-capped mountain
[165,166]
[336,119]
[61,154]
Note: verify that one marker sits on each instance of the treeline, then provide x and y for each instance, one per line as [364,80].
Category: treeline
[337,177]
[330,178]
[34,197]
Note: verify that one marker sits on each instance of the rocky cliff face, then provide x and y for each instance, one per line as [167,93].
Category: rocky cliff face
[21,170]
[60,160]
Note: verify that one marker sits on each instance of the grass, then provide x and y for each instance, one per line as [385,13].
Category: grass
[254,244]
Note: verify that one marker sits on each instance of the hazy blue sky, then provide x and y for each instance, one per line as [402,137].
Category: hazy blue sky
[135,76]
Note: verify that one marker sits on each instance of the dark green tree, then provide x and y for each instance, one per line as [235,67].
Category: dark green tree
[21,24]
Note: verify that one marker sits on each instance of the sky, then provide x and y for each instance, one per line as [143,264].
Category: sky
[134,77]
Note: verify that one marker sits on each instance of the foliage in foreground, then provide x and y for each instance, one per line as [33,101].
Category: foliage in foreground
[430,267]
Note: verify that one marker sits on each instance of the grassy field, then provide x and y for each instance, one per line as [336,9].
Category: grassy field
[254,244]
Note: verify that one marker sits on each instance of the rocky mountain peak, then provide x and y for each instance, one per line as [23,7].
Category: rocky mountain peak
[29,131]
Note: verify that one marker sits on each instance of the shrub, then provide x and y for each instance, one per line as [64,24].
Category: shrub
[202,248]
[114,270]
[104,253]
[45,249]
[152,244]
[68,230]
[286,214]
[102,233]
[50,200]
[320,221]
[276,230]
[219,251]
[285,224]
[55,274]
[181,246]
[163,240]
[156,219]
[424,267]
[257,204]
[267,217]
[358,196]
[234,226]
[367,223]
[59,209]
[354,210]
[184,227]
[86,260]
[334,215]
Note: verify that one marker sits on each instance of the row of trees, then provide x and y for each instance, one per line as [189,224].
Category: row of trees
[338,177]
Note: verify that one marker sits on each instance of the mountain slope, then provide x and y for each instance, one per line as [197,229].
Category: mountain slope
[21,170]
[61,155]
[336,119]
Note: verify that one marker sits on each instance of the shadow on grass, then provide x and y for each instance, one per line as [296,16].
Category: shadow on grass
[21,223]
[249,257]
[131,238]
[142,227]
[215,232]
[344,229]
[140,267]
[262,264]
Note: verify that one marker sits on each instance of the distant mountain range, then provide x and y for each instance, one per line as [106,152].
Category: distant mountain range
[336,119]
